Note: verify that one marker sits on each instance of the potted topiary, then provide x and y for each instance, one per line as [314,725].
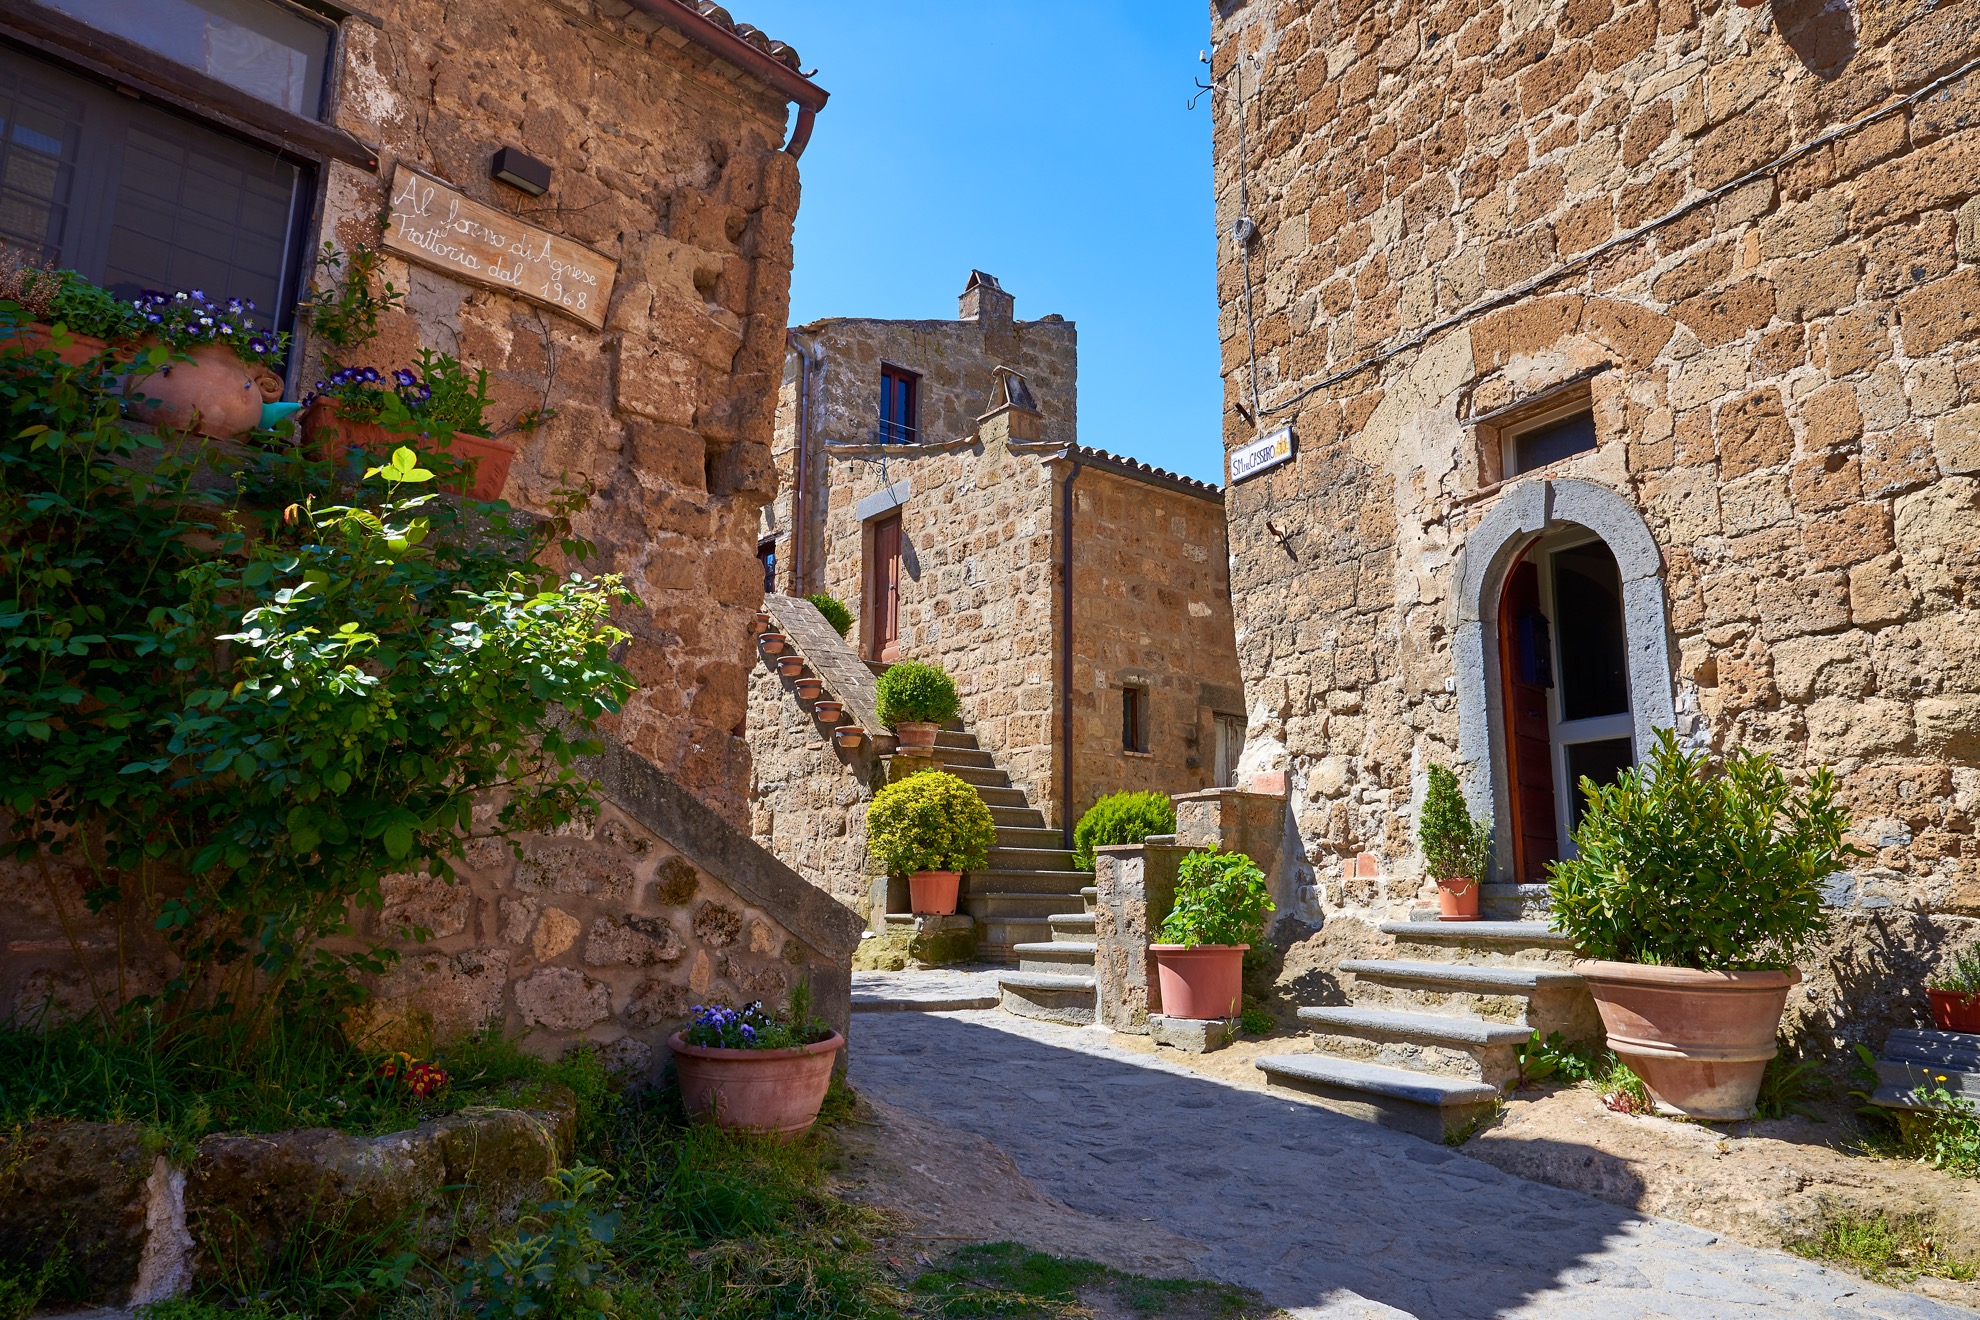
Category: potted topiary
[930,827]
[834,610]
[746,1070]
[1457,846]
[1219,912]
[915,700]
[1121,818]
[1955,994]
[1691,893]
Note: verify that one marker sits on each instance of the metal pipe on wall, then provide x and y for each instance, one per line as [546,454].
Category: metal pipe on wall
[1066,656]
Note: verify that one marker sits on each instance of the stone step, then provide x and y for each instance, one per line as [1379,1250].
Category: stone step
[1072,927]
[1513,902]
[1488,943]
[1055,957]
[1018,817]
[1915,1063]
[1029,836]
[1050,997]
[1023,880]
[995,796]
[1031,859]
[963,756]
[995,905]
[1541,998]
[1424,1105]
[997,937]
[947,738]
[981,776]
[1469,1048]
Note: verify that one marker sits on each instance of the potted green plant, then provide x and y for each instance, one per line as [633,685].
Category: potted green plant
[54,301]
[1457,846]
[1121,818]
[930,827]
[1955,993]
[1219,912]
[1693,890]
[915,700]
[834,610]
[747,1070]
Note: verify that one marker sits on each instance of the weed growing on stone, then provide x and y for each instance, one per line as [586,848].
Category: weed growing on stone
[1789,1086]
[1887,1248]
[22,1286]
[1256,1021]
[1554,1058]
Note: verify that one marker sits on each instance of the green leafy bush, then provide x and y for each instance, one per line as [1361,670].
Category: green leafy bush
[913,692]
[62,297]
[1456,845]
[557,1273]
[1221,898]
[931,821]
[1681,865]
[1962,977]
[835,613]
[1121,818]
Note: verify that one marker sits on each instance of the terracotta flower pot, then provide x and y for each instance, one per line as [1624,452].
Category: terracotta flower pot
[933,893]
[760,624]
[1205,982]
[915,737]
[771,642]
[790,666]
[1954,1010]
[216,394]
[849,735]
[829,712]
[34,335]
[1457,900]
[772,1092]
[810,689]
[1699,1040]
[328,434]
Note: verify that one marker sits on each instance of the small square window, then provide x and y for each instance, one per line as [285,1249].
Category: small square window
[1134,719]
[899,406]
[1549,442]
[1536,431]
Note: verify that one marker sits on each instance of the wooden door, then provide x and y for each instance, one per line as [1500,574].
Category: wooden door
[883,589]
[1526,669]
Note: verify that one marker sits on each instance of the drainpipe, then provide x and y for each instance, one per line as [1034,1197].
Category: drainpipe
[1066,655]
[802,472]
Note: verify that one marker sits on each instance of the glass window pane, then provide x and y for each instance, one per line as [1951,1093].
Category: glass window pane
[1601,761]
[40,132]
[266,50]
[1594,677]
[1552,442]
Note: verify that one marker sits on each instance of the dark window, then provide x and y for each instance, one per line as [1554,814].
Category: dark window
[136,198]
[1134,719]
[767,552]
[264,49]
[1602,761]
[1550,442]
[899,423]
[1594,675]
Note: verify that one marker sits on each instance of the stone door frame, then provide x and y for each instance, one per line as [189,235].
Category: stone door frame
[1524,512]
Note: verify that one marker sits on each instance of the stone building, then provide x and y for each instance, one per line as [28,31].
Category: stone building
[593,199]
[933,481]
[1628,355]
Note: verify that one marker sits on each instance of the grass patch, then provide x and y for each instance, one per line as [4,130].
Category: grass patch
[1006,1279]
[1886,1248]
[185,1085]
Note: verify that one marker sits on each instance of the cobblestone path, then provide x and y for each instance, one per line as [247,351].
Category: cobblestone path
[1326,1216]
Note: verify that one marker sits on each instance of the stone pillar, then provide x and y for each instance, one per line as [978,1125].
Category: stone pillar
[1137,886]
[1246,821]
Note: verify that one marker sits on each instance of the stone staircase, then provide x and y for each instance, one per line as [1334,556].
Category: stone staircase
[1430,1042]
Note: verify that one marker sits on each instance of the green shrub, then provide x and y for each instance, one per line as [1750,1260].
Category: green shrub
[1682,866]
[835,612]
[912,692]
[556,1274]
[1121,818]
[930,822]
[1221,898]
[1962,978]
[1456,844]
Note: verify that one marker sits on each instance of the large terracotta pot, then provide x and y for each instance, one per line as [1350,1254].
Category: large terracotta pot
[216,394]
[1205,982]
[933,893]
[775,1093]
[1699,1040]
[328,434]
[1953,1010]
[915,737]
[34,335]
[1457,900]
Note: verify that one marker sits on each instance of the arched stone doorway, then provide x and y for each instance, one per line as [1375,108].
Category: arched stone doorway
[1563,656]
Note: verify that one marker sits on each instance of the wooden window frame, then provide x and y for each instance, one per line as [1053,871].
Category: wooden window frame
[910,432]
[1134,719]
[1498,431]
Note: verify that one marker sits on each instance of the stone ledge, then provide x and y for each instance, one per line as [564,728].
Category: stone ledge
[1192,1035]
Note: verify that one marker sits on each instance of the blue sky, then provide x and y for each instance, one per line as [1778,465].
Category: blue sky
[1044,141]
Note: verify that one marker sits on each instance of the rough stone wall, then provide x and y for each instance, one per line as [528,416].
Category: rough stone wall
[1447,196]
[1151,609]
[674,169]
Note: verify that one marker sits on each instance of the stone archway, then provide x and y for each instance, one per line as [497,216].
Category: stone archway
[1525,512]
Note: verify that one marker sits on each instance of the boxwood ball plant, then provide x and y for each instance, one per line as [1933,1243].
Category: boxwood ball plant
[1683,864]
[930,821]
[1221,898]
[915,693]
[1121,818]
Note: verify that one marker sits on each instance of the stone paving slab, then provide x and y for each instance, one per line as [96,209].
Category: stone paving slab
[937,989]
[1327,1217]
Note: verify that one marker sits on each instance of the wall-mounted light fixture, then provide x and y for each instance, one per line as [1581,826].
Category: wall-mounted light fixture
[519,171]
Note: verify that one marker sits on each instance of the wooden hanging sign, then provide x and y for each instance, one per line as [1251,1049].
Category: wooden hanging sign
[441,227]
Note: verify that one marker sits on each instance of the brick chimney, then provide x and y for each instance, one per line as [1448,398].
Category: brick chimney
[1013,413]
[985,300]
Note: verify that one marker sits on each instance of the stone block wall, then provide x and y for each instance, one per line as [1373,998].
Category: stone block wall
[1463,204]
[674,168]
[1151,609]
